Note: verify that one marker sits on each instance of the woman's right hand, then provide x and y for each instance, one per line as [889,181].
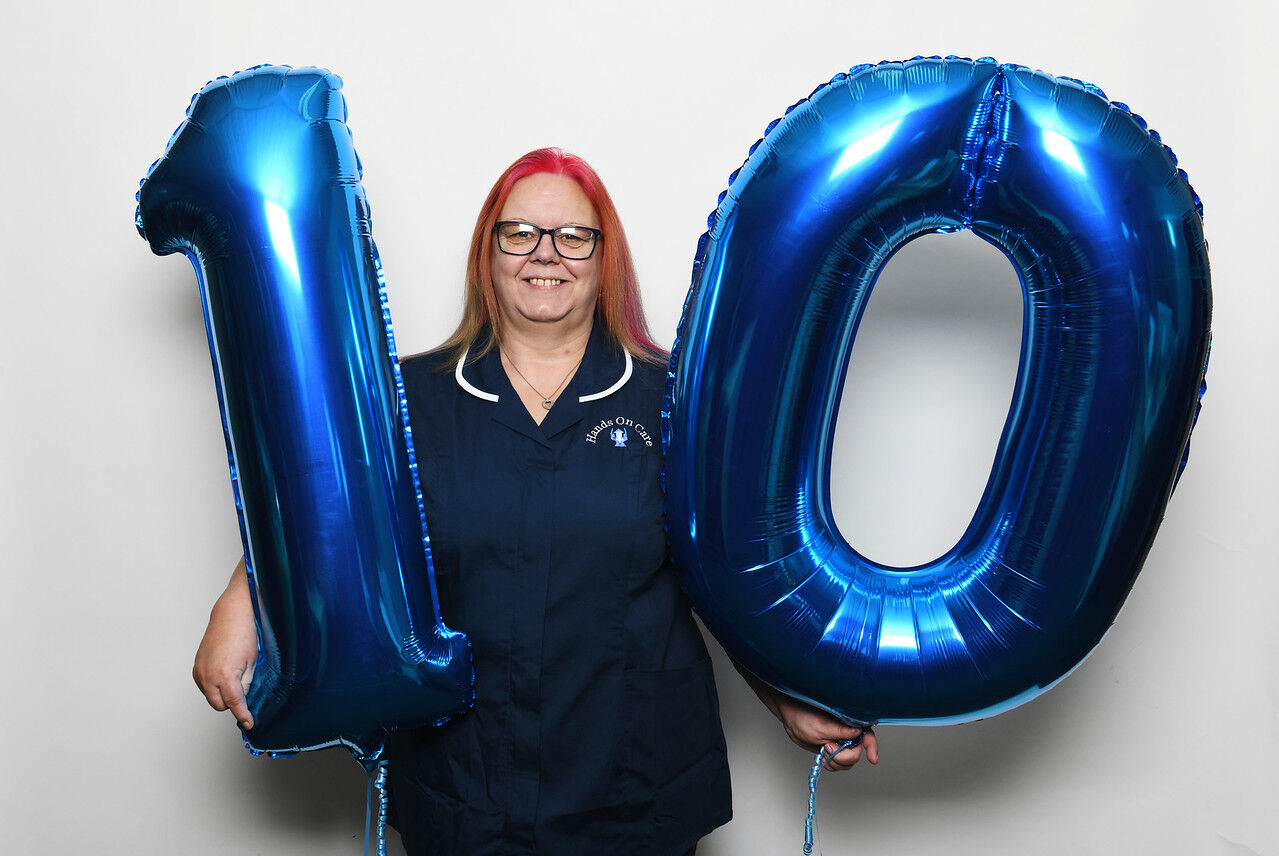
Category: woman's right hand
[227,653]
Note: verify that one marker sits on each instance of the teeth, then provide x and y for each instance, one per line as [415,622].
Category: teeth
[545,283]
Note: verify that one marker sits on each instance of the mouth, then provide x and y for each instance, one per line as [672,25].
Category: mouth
[540,282]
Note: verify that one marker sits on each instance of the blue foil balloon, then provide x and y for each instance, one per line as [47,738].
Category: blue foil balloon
[260,188]
[1106,236]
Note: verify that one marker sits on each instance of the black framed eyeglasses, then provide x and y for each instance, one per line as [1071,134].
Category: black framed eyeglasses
[518,238]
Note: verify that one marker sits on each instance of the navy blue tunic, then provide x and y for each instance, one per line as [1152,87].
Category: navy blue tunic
[596,725]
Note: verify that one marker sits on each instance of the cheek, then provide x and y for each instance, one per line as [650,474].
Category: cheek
[589,276]
[502,267]
[505,271]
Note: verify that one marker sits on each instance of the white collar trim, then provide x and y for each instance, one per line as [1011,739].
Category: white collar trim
[626,375]
[466,385]
[582,399]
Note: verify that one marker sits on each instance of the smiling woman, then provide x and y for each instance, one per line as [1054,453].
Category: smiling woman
[618,303]
[587,661]
[540,291]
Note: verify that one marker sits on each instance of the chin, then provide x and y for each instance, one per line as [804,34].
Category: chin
[548,311]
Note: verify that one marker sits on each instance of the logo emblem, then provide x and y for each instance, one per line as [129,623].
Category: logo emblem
[617,430]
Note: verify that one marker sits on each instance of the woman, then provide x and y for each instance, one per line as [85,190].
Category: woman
[537,430]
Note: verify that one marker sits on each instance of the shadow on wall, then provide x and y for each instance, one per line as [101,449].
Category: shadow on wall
[315,799]
[978,762]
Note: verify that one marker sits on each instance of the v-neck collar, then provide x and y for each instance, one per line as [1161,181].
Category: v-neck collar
[605,368]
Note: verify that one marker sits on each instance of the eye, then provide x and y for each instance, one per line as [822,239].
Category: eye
[518,233]
[572,237]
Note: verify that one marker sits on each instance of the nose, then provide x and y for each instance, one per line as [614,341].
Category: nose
[545,250]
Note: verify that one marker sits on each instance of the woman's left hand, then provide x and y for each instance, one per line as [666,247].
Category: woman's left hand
[813,729]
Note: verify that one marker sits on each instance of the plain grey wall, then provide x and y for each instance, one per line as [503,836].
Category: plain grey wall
[117,517]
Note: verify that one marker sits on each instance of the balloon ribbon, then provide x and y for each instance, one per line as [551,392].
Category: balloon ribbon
[818,760]
[377,779]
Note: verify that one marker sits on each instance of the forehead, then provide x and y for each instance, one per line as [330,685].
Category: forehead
[546,199]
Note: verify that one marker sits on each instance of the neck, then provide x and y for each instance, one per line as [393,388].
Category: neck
[539,366]
[546,346]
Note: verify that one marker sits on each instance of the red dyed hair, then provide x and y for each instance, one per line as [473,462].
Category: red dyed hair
[617,305]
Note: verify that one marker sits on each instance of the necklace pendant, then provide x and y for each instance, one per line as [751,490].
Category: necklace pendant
[546,404]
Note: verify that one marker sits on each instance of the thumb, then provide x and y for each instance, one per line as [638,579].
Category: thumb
[233,696]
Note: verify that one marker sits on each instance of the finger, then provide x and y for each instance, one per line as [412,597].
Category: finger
[809,746]
[843,760]
[204,682]
[839,733]
[871,742]
[844,740]
[827,732]
[233,695]
[213,696]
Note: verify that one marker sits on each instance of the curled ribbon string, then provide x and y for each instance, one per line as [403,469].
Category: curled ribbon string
[377,779]
[818,760]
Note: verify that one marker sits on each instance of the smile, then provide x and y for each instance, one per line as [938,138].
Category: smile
[544,283]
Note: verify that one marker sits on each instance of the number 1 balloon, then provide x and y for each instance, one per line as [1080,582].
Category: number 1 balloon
[260,188]
[1106,236]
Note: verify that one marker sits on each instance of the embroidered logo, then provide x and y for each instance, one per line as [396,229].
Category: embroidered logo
[619,429]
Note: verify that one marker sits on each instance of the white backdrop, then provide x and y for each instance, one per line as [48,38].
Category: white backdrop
[117,516]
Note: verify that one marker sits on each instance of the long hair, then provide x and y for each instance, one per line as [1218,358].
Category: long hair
[617,305]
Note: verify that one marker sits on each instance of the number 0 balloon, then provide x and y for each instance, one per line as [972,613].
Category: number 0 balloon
[260,188]
[1106,236]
